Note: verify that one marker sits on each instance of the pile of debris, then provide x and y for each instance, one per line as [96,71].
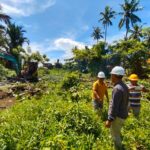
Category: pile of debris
[19,91]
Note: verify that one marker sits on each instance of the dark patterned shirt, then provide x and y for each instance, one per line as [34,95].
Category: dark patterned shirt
[118,106]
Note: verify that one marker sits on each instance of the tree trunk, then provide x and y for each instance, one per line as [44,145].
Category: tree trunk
[126,37]
[105,34]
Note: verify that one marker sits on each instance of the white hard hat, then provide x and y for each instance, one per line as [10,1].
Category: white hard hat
[118,70]
[101,74]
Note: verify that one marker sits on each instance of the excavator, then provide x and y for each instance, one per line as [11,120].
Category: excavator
[28,74]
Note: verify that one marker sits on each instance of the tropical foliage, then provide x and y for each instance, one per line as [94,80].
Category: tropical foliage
[129,18]
[15,35]
[57,112]
[136,32]
[106,18]
[133,55]
[97,34]
[92,59]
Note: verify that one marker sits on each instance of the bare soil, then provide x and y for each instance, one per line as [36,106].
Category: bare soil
[6,100]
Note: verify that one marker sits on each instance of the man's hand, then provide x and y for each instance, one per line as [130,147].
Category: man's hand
[107,124]
[98,97]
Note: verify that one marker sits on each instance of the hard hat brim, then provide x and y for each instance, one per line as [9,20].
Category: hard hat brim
[117,74]
[101,77]
[133,79]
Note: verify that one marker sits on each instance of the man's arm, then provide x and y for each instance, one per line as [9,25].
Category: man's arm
[114,107]
[145,90]
[96,95]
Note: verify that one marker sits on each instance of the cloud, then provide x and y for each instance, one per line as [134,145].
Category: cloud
[12,10]
[25,7]
[60,44]
[67,44]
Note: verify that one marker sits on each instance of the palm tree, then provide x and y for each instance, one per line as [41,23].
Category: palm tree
[128,14]
[15,36]
[136,32]
[146,36]
[97,34]
[15,41]
[106,17]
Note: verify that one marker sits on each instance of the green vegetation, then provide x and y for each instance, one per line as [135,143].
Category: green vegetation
[4,72]
[131,52]
[97,34]
[106,17]
[11,43]
[56,121]
[57,112]
[129,17]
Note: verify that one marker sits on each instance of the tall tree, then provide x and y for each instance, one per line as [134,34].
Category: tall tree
[15,36]
[92,59]
[129,8]
[106,18]
[97,33]
[15,41]
[146,35]
[136,32]
[133,55]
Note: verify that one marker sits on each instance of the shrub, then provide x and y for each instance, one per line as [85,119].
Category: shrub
[70,81]
[4,72]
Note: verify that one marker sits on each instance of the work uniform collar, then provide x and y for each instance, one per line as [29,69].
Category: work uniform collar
[119,82]
[101,82]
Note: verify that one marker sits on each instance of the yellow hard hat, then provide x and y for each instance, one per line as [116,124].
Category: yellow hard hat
[133,77]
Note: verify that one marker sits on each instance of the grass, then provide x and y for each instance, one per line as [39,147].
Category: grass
[55,121]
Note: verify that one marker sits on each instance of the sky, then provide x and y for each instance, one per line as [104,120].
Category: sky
[54,27]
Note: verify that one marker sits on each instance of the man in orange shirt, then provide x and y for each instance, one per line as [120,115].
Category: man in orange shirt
[99,90]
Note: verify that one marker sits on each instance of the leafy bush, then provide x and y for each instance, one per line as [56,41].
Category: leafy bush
[66,120]
[70,81]
[5,73]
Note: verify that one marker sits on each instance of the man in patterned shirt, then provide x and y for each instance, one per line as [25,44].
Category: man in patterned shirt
[135,94]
